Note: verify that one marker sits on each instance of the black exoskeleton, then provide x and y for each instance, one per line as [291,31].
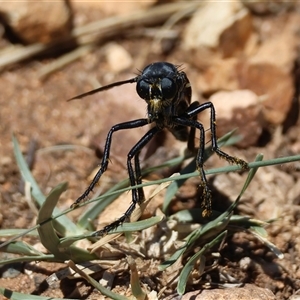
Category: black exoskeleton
[167,92]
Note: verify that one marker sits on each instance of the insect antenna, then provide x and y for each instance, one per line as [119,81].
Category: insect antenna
[103,88]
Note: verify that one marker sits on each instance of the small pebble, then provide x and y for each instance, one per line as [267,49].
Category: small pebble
[11,271]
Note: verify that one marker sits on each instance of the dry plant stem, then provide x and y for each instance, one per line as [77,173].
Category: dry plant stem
[94,32]
[151,16]
[64,60]
[20,53]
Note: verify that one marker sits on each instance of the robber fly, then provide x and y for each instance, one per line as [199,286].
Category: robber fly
[167,92]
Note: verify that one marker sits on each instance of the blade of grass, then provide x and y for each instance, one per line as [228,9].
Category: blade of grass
[174,257]
[44,257]
[16,231]
[46,231]
[226,169]
[20,247]
[257,233]
[66,226]
[104,291]
[256,164]
[187,269]
[126,227]
[20,296]
[48,235]
[136,288]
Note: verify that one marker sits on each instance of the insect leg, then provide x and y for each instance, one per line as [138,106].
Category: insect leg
[138,176]
[206,203]
[134,178]
[193,111]
[192,133]
[105,160]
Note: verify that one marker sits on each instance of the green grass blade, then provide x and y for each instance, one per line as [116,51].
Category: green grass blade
[48,235]
[44,257]
[104,291]
[251,174]
[46,231]
[66,225]
[187,269]
[135,283]
[226,169]
[20,296]
[69,240]
[125,227]
[16,231]
[138,225]
[26,174]
[261,235]
[175,256]
[20,248]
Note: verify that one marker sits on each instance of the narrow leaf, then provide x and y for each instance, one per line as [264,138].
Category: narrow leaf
[187,269]
[65,224]
[46,231]
[20,296]
[20,247]
[104,291]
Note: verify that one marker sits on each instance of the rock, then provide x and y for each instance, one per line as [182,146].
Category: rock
[239,109]
[265,67]
[218,26]
[221,75]
[11,270]
[247,292]
[118,57]
[271,83]
[268,73]
[37,21]
[267,80]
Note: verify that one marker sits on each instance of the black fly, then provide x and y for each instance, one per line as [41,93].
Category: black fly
[167,92]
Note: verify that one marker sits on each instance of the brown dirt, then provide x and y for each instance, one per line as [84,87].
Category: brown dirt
[37,114]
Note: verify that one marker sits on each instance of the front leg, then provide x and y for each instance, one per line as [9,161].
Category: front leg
[105,160]
[134,178]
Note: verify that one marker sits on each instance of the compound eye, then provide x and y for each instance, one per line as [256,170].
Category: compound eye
[142,89]
[169,88]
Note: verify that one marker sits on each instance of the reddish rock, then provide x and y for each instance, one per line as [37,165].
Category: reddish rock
[239,109]
[272,84]
[38,21]
[217,30]
[118,57]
